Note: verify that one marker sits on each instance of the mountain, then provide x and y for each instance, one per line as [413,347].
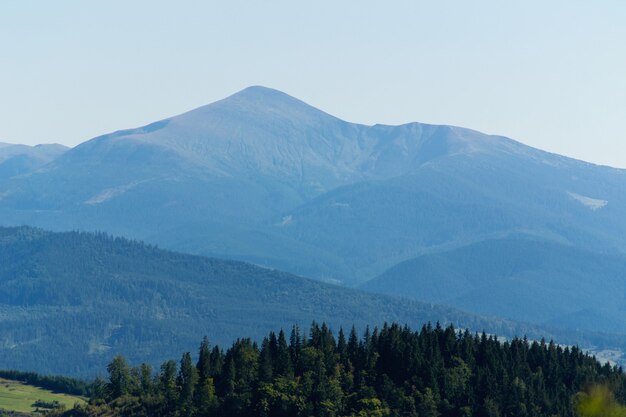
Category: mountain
[263,177]
[70,301]
[520,279]
[22,159]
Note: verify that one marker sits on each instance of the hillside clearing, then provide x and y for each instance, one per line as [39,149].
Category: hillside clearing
[17,396]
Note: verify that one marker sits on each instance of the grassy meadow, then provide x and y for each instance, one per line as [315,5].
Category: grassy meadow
[17,396]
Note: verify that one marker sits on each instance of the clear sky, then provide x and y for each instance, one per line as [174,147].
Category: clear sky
[551,74]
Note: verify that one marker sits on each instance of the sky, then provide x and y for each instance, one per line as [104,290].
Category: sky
[551,74]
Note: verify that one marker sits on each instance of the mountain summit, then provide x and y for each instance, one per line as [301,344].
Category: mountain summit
[263,177]
[264,133]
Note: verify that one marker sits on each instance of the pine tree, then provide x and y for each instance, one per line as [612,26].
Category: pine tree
[204,360]
[146,381]
[186,382]
[204,395]
[353,347]
[342,348]
[168,388]
[119,378]
[283,357]
[266,368]
[216,362]
[294,345]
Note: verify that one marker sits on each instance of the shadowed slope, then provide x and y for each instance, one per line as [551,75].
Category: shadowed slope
[70,301]
[263,177]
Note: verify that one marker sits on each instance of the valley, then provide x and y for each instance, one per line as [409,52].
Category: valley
[312,209]
[478,230]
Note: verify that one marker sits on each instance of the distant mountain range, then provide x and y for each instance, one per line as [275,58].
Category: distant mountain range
[522,279]
[18,160]
[70,301]
[436,213]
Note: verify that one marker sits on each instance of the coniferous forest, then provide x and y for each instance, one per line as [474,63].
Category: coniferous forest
[312,209]
[391,371]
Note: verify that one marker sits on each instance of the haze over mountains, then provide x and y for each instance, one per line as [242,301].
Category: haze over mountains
[70,301]
[262,177]
[22,159]
[522,279]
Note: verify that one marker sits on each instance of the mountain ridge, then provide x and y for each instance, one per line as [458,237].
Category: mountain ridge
[265,178]
[281,156]
[543,282]
[75,295]
[16,159]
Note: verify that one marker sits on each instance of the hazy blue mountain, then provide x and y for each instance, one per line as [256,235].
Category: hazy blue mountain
[70,301]
[22,159]
[464,197]
[263,177]
[540,282]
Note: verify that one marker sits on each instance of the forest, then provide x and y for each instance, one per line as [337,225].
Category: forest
[60,384]
[389,371]
[71,301]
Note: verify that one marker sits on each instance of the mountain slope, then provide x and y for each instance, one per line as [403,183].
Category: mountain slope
[262,177]
[22,159]
[451,203]
[519,279]
[70,301]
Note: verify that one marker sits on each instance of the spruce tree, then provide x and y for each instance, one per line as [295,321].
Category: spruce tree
[283,358]
[204,395]
[186,382]
[216,362]
[266,368]
[119,378]
[167,388]
[146,379]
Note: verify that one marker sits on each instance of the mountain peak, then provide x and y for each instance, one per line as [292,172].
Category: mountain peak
[263,95]
[261,92]
[259,100]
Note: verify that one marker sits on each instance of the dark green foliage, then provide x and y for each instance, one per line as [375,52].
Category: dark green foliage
[59,384]
[45,404]
[392,371]
[71,301]
[187,381]
[119,378]
[204,391]
[4,413]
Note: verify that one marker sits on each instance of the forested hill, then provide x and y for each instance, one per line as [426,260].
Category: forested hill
[521,279]
[393,371]
[70,301]
[263,177]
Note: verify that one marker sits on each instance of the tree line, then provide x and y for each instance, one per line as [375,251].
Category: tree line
[55,383]
[391,371]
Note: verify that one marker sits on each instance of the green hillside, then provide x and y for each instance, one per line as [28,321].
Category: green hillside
[70,301]
[18,396]
[519,279]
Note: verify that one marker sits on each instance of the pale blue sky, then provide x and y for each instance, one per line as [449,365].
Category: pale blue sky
[551,74]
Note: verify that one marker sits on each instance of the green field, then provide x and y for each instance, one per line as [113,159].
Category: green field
[17,396]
